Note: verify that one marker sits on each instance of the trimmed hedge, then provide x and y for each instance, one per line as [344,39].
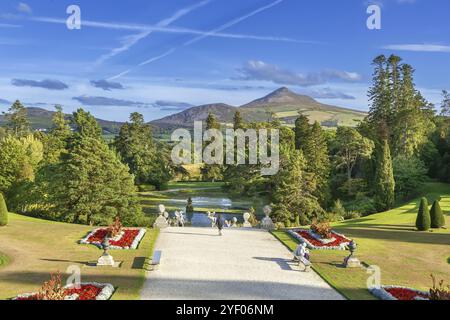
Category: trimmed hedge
[423,222]
[437,217]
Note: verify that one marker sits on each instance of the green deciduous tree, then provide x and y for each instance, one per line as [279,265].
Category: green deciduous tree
[19,160]
[384,178]
[423,222]
[350,147]
[137,148]
[410,174]
[3,211]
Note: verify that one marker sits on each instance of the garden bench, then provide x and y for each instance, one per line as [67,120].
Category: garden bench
[156,259]
[303,262]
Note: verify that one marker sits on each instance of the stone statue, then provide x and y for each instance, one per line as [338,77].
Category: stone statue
[247,224]
[212,217]
[162,220]
[234,222]
[179,219]
[267,222]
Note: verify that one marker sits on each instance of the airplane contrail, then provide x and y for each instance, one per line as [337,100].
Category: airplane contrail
[200,37]
[132,40]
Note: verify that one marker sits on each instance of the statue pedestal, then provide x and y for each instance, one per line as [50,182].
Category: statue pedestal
[160,223]
[106,260]
[267,224]
[352,262]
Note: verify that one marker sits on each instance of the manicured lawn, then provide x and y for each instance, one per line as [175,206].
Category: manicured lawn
[37,248]
[389,240]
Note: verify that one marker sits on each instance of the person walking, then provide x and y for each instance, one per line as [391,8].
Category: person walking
[219,224]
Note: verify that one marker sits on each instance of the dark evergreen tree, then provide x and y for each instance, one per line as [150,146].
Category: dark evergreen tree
[302,132]
[384,179]
[294,192]
[238,121]
[55,143]
[380,114]
[315,150]
[445,105]
[91,185]
[17,120]
[423,222]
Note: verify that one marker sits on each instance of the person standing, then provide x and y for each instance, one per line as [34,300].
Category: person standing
[219,224]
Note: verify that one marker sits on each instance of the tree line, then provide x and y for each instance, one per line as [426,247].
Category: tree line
[73,174]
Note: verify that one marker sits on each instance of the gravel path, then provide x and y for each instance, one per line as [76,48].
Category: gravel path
[244,264]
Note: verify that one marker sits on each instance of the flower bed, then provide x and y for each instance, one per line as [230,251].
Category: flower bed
[399,293]
[86,291]
[313,241]
[127,239]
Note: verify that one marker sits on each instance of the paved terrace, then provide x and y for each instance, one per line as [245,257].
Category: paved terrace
[244,264]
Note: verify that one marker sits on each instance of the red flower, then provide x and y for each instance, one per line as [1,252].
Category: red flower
[85,292]
[405,294]
[336,243]
[125,241]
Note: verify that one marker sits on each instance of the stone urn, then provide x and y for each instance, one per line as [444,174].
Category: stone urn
[162,220]
[352,261]
[106,260]
[267,222]
[246,217]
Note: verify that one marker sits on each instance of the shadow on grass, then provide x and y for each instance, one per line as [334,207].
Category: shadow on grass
[399,236]
[68,261]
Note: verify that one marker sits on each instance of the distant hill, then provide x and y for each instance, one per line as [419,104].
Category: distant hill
[186,118]
[42,119]
[282,104]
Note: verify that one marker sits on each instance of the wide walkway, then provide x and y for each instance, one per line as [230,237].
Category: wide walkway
[244,264]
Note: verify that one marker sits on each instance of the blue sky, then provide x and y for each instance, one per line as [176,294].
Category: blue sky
[159,57]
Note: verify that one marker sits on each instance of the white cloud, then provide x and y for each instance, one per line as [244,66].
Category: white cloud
[262,71]
[418,47]
[23,7]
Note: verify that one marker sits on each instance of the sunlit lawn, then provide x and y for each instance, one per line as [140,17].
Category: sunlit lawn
[389,240]
[36,248]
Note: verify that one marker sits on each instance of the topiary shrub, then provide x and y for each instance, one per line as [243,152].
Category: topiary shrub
[437,217]
[3,212]
[423,222]
[190,206]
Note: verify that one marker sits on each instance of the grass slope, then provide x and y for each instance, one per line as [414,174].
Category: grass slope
[388,240]
[37,248]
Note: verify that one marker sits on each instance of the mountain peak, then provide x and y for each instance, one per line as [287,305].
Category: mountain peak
[282,90]
[281,96]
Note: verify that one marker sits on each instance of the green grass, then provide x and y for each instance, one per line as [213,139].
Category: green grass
[37,248]
[389,240]
[4,260]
